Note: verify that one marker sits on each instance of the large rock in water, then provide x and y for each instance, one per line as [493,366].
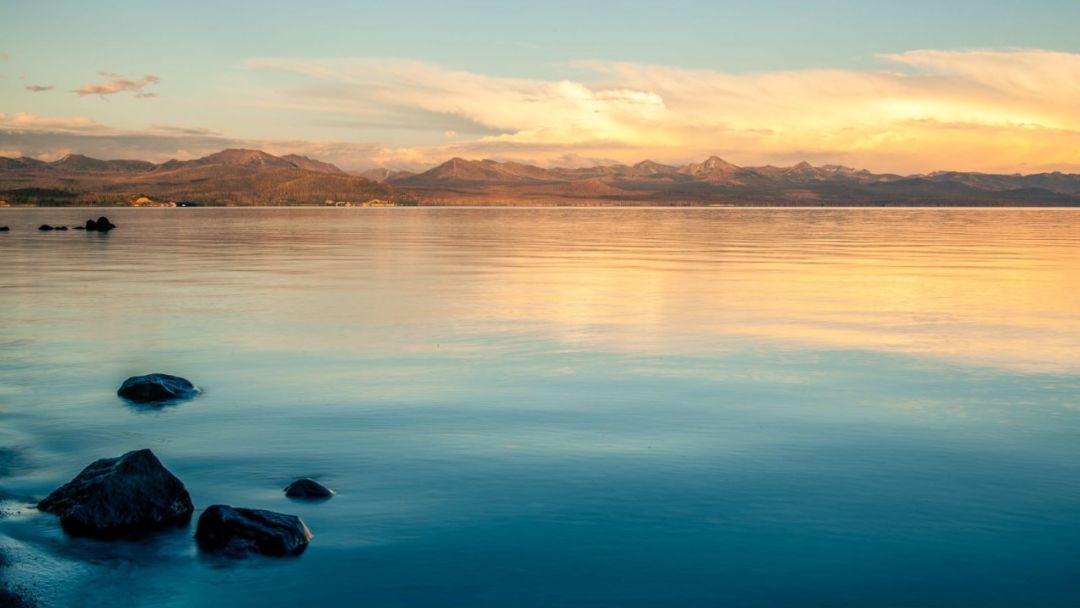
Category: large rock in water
[308,489]
[237,531]
[115,496]
[102,224]
[157,387]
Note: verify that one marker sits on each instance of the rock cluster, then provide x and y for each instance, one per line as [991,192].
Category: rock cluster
[135,494]
[102,224]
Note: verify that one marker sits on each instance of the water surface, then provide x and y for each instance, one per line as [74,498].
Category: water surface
[544,407]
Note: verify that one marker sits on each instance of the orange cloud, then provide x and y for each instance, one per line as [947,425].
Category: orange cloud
[924,110]
[118,84]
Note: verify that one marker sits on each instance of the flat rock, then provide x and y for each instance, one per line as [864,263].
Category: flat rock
[236,531]
[117,496]
[156,388]
[44,227]
[309,489]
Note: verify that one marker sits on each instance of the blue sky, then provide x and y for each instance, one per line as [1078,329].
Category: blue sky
[202,54]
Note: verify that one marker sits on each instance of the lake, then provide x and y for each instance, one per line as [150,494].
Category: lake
[560,407]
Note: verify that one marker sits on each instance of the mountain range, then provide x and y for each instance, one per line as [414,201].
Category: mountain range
[229,177]
[253,177]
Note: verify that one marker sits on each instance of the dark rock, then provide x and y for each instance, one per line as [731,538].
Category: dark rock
[59,227]
[101,225]
[116,496]
[238,531]
[78,227]
[156,387]
[308,488]
[45,227]
[4,228]
[12,598]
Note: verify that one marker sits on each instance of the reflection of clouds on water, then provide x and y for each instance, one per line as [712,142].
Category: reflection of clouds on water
[559,387]
[970,286]
[982,287]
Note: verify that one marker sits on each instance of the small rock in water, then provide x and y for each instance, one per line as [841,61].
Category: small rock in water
[45,227]
[156,387]
[308,488]
[116,496]
[236,531]
[59,227]
[4,228]
[102,224]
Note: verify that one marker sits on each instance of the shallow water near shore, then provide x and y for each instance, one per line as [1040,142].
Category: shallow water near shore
[560,407]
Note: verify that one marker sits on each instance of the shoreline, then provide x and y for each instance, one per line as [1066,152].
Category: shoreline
[585,206]
[10,596]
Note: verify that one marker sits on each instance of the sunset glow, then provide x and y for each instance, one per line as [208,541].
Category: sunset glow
[914,109]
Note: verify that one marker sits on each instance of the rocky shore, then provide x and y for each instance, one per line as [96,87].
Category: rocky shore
[133,496]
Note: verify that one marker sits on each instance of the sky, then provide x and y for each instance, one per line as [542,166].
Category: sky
[904,87]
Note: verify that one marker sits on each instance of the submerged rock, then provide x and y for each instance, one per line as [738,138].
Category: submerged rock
[308,488]
[156,387]
[60,228]
[237,531]
[45,227]
[102,224]
[116,496]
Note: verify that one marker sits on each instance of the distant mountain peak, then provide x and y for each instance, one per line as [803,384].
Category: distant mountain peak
[711,168]
[311,164]
[243,156]
[83,163]
[650,168]
[477,172]
[714,162]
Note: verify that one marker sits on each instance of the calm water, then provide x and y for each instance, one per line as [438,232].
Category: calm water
[537,408]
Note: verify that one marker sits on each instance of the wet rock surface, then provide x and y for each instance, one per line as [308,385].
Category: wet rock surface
[237,531]
[157,387]
[118,496]
[308,489]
